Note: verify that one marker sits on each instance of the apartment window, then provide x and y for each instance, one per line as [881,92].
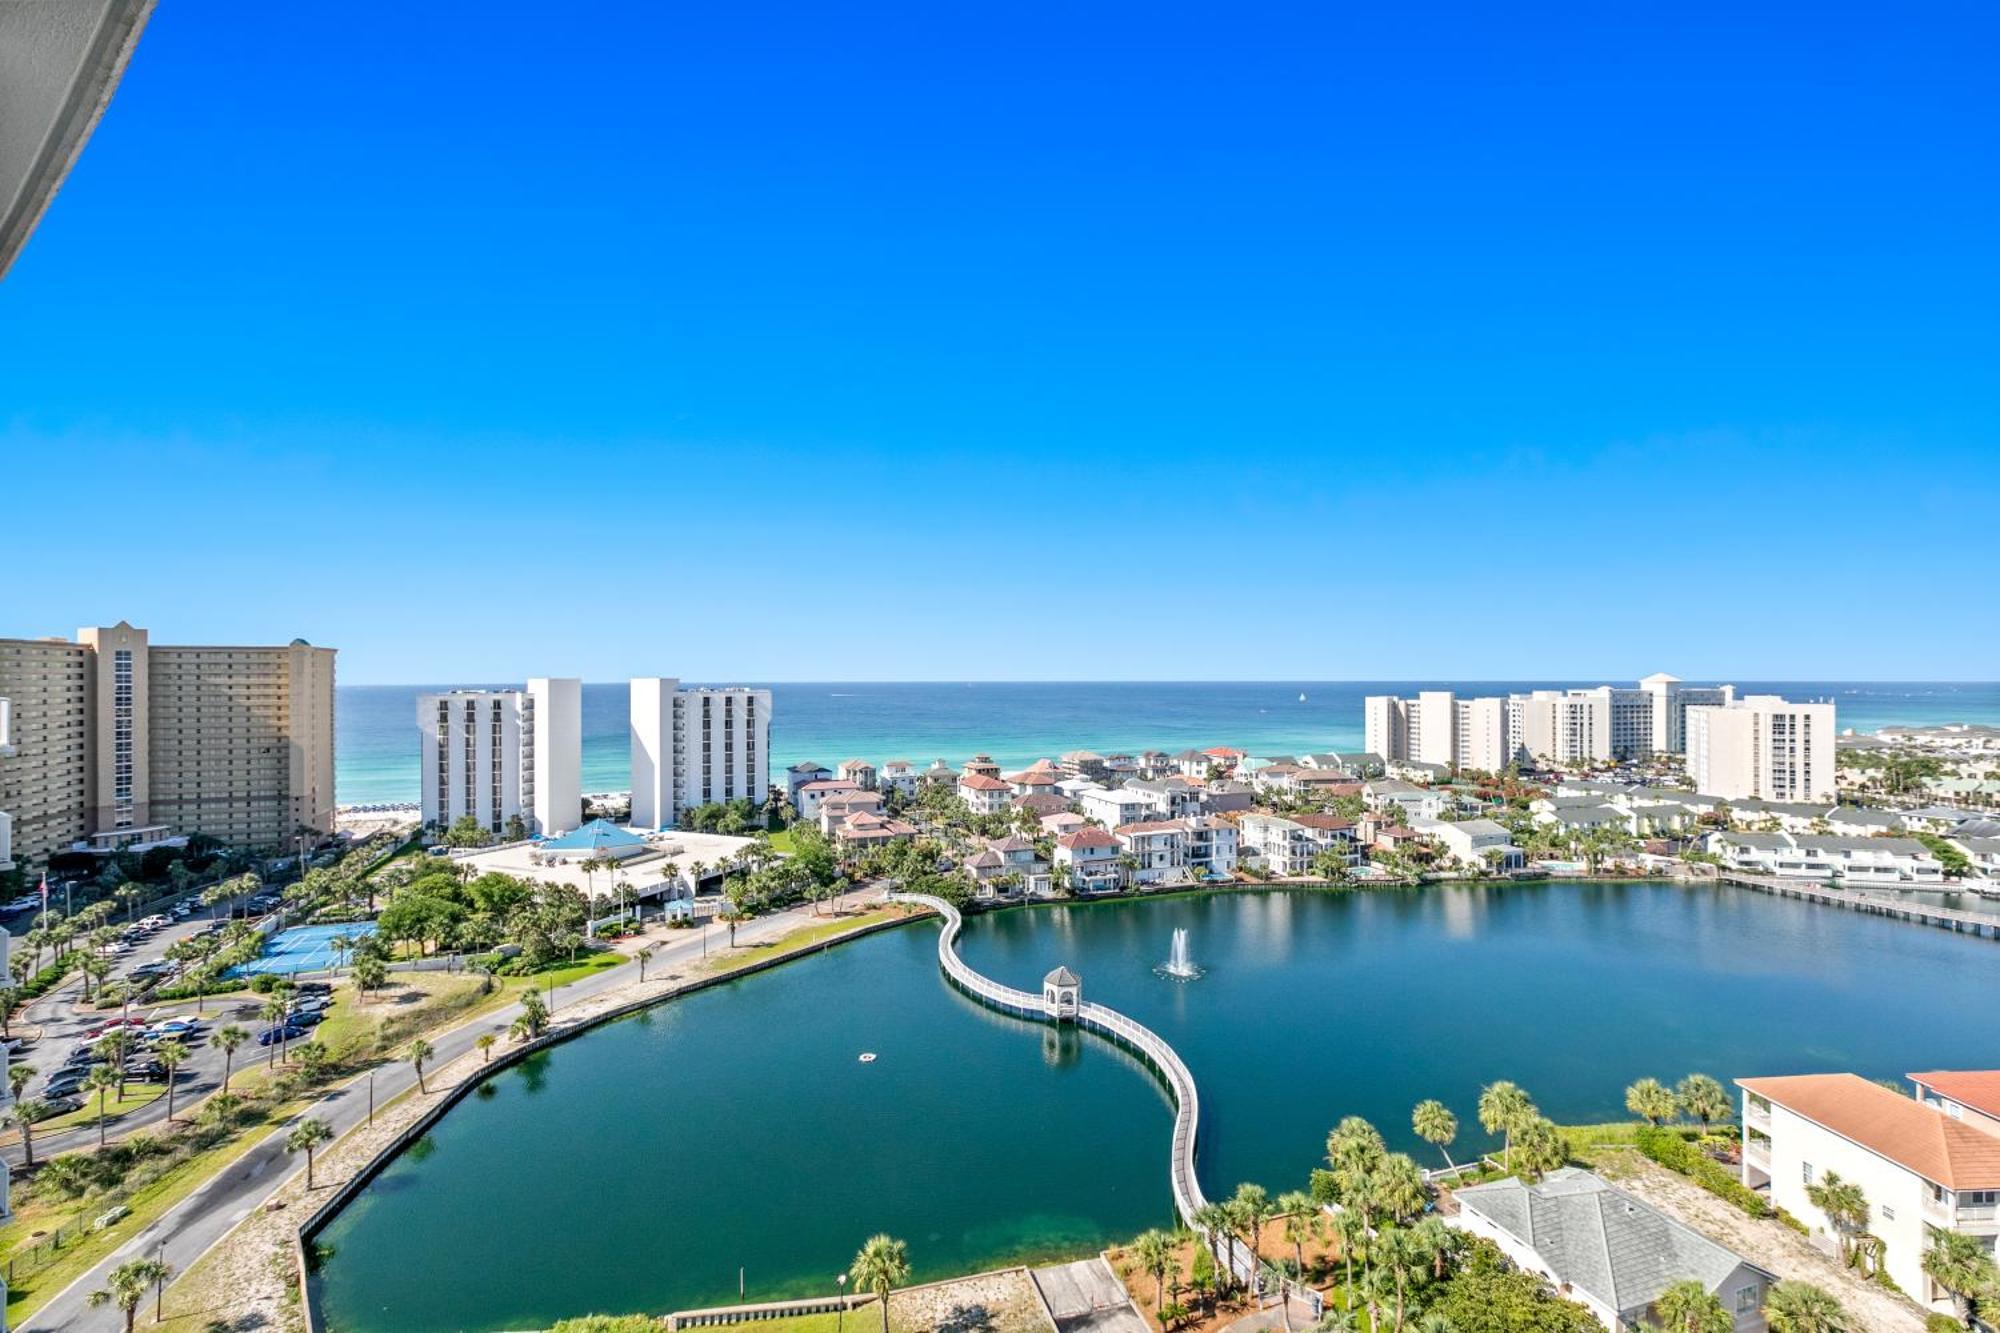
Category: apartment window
[1746,1299]
[1806,1172]
[1888,1213]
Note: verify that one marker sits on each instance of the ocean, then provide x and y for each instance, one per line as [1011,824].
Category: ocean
[1017,723]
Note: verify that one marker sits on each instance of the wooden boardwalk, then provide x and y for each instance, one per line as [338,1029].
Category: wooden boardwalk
[1954,919]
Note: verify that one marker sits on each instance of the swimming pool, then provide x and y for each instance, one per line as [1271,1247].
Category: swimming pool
[302,949]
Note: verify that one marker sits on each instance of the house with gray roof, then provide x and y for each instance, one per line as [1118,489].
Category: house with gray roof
[1608,1250]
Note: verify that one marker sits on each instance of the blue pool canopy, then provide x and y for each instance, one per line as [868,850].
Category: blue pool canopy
[597,836]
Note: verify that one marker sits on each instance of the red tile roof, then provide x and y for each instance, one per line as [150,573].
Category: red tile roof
[1921,1138]
[981,782]
[1086,837]
[1977,1088]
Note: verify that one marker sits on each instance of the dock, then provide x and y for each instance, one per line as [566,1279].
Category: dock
[1955,919]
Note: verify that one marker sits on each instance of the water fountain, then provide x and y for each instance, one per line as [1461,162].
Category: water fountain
[1178,965]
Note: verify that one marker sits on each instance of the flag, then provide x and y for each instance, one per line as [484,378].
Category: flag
[45,890]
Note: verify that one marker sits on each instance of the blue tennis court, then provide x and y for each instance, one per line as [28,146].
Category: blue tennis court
[302,949]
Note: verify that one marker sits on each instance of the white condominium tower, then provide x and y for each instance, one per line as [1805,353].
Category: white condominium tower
[694,746]
[1489,732]
[501,754]
[1762,747]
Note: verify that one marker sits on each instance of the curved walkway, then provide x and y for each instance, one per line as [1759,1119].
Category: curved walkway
[1149,1045]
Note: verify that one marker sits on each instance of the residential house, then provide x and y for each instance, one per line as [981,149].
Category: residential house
[836,809]
[1041,806]
[809,796]
[1419,771]
[1158,848]
[1223,797]
[859,772]
[798,775]
[981,764]
[1063,821]
[983,793]
[1012,856]
[1040,780]
[1609,1251]
[1169,798]
[1291,844]
[1830,857]
[1983,853]
[898,775]
[1089,856]
[1082,764]
[1475,843]
[868,828]
[1919,1166]
[1113,807]
[1192,764]
[1860,821]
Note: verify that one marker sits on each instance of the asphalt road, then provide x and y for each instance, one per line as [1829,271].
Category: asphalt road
[190,1228]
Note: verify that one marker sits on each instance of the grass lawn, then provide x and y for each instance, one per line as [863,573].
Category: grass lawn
[781,841]
[136,1095]
[726,959]
[30,1290]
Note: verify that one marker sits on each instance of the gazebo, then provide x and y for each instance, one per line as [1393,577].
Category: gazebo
[1062,994]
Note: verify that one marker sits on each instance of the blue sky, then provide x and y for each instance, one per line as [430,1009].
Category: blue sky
[1106,341]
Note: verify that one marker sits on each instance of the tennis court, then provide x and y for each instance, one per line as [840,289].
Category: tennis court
[302,949]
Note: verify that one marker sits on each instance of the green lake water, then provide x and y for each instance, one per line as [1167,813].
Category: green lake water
[638,1167]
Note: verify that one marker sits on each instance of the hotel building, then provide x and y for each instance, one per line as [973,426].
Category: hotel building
[694,746]
[499,755]
[1489,732]
[1764,748]
[113,741]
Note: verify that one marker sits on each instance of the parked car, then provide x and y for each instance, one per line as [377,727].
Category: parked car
[305,1018]
[272,1036]
[315,988]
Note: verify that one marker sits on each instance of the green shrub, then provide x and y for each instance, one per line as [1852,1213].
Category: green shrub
[1942,1323]
[1675,1153]
[1793,1223]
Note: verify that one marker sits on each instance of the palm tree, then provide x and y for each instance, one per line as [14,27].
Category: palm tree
[1352,1229]
[100,1080]
[274,1013]
[1800,1307]
[644,955]
[1439,1241]
[1303,1222]
[1703,1098]
[126,1286]
[1650,1100]
[1960,1264]
[882,1263]
[1435,1124]
[420,1051]
[484,1041]
[1217,1222]
[1504,1108]
[172,1055]
[1845,1208]
[1155,1253]
[1398,1187]
[1400,1258]
[306,1136]
[1542,1146]
[227,1040]
[1689,1307]
[27,1114]
[18,1078]
[341,944]
[1252,1206]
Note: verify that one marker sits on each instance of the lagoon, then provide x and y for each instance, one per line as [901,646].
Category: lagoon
[637,1167]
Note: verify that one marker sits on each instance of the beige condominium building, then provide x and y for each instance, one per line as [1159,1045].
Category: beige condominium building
[114,740]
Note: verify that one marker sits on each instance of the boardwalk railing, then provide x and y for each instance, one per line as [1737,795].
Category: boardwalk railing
[1955,919]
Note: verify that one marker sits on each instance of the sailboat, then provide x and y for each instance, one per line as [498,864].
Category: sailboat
[1302,696]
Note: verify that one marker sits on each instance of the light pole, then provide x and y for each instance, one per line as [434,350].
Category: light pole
[840,1311]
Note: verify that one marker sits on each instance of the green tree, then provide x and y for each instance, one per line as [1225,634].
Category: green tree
[172,1055]
[126,1286]
[1251,1205]
[1959,1263]
[1503,1109]
[1155,1252]
[1650,1100]
[645,955]
[534,1018]
[1542,1148]
[466,831]
[27,1114]
[484,1042]
[306,1137]
[1844,1206]
[1689,1307]
[227,1040]
[1800,1307]
[370,974]
[1436,1125]
[1703,1098]
[100,1081]
[1303,1222]
[420,1053]
[1398,1187]
[882,1265]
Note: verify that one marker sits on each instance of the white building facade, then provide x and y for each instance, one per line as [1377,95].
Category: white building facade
[696,746]
[1488,733]
[1762,747]
[498,755]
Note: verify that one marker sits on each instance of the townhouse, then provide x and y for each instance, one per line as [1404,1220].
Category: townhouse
[808,797]
[1169,851]
[1089,857]
[983,793]
[859,772]
[899,776]
[1113,806]
[1289,845]
[1932,1161]
[1830,857]
[1009,860]
[1476,844]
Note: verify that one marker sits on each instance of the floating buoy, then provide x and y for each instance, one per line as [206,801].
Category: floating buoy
[868,1057]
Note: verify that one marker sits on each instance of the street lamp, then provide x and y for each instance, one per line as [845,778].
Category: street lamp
[840,1311]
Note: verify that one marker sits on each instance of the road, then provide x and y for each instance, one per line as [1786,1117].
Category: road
[190,1228]
[59,1022]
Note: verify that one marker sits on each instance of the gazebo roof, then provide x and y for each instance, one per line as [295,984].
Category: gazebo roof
[598,835]
[1062,976]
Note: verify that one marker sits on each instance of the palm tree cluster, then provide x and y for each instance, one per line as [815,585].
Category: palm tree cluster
[1533,1146]
[1697,1096]
[1962,1266]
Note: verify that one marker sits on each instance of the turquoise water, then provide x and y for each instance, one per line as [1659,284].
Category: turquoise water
[637,1167]
[1017,723]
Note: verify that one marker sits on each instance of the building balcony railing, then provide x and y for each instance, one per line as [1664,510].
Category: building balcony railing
[1757,1119]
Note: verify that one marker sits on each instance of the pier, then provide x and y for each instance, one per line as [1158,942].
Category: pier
[1955,919]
